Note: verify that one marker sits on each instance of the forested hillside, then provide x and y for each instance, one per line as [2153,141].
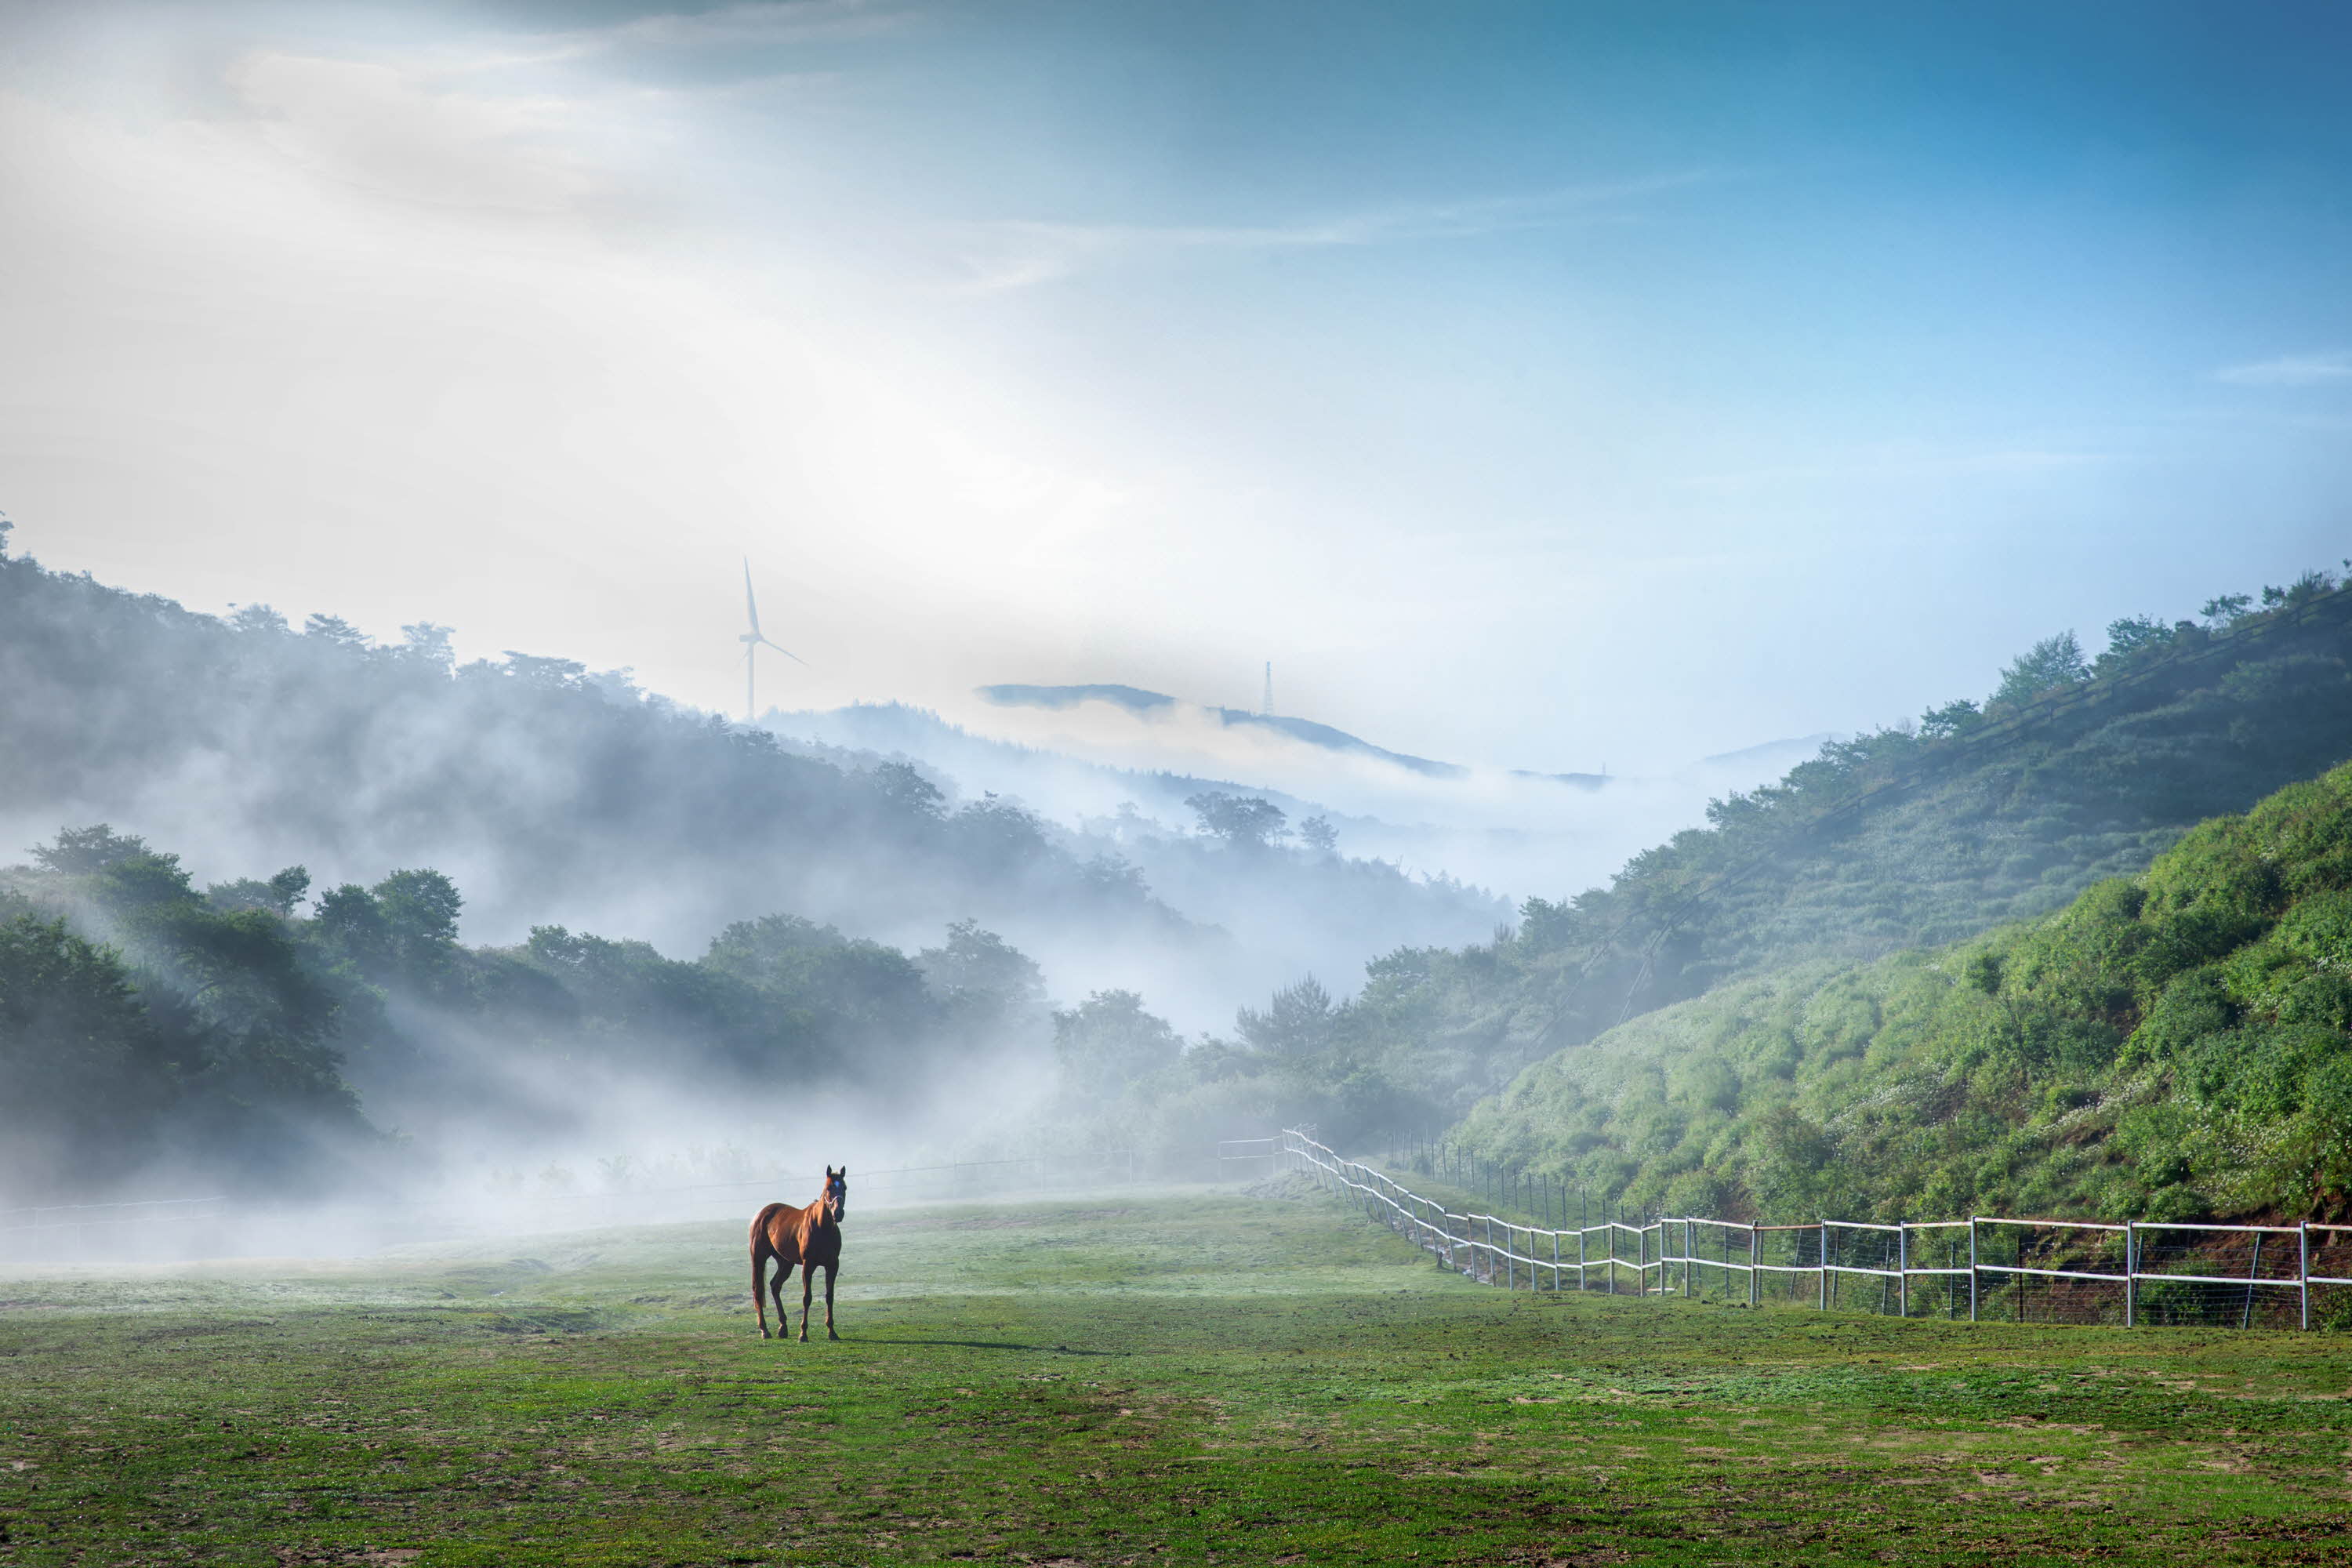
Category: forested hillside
[2071,771]
[556,796]
[247,1037]
[2171,1045]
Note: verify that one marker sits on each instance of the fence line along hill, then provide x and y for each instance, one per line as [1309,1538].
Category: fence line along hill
[2132,1272]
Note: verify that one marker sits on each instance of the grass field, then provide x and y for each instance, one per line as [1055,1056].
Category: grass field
[1159,1378]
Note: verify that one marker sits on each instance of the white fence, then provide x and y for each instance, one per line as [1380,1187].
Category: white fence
[2136,1272]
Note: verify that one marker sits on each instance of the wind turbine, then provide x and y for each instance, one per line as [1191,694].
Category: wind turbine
[753,641]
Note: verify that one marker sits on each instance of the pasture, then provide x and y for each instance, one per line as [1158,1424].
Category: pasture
[1128,1377]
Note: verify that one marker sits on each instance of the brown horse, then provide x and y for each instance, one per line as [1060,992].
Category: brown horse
[810,1237]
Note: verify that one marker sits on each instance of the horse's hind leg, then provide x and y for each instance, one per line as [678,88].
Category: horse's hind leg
[808,1284]
[759,1290]
[828,1303]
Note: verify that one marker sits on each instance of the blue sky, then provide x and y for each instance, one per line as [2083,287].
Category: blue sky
[1537,385]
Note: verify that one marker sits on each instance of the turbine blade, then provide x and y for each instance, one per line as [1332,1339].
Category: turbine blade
[787,653]
[751,606]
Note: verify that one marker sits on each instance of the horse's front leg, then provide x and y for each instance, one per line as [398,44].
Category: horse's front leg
[828,1303]
[808,1285]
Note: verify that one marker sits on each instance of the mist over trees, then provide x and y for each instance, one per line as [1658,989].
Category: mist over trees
[554,794]
[2070,772]
[151,1032]
[683,910]
[278,1022]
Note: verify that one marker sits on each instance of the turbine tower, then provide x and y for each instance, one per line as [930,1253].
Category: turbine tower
[1265,708]
[753,641]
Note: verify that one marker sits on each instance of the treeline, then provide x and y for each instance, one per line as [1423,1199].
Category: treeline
[2071,771]
[551,791]
[2172,1046]
[250,1037]
[544,786]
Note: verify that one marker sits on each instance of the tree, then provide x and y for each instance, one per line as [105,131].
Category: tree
[81,851]
[2051,663]
[2223,609]
[1114,878]
[258,619]
[999,833]
[983,980]
[534,670]
[909,792]
[279,895]
[1317,833]
[1955,718]
[1243,822]
[419,908]
[769,952]
[2133,634]
[2302,591]
[1108,1042]
[83,1072]
[288,886]
[338,631]
[428,644]
[1297,1024]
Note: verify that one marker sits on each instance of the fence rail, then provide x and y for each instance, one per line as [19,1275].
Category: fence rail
[2147,1275]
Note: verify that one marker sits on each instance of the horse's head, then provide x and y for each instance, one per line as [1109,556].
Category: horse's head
[836,1194]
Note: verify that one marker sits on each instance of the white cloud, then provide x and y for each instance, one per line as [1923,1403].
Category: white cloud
[390,132]
[763,24]
[2291,370]
[1020,253]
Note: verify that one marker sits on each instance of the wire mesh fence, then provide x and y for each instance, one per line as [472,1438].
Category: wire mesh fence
[2130,1273]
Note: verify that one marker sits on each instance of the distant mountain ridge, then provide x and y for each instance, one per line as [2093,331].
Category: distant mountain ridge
[902,730]
[1137,701]
[555,797]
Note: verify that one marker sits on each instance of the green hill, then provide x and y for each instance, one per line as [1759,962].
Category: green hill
[2073,772]
[2167,1046]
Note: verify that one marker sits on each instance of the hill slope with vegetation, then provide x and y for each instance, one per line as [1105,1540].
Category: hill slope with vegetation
[553,794]
[2072,772]
[237,1037]
[2170,1046]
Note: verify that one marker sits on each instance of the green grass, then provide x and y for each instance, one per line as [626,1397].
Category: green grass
[1150,1379]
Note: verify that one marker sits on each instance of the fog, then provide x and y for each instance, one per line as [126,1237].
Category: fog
[1556,399]
[351,907]
[352,912]
[1515,833]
